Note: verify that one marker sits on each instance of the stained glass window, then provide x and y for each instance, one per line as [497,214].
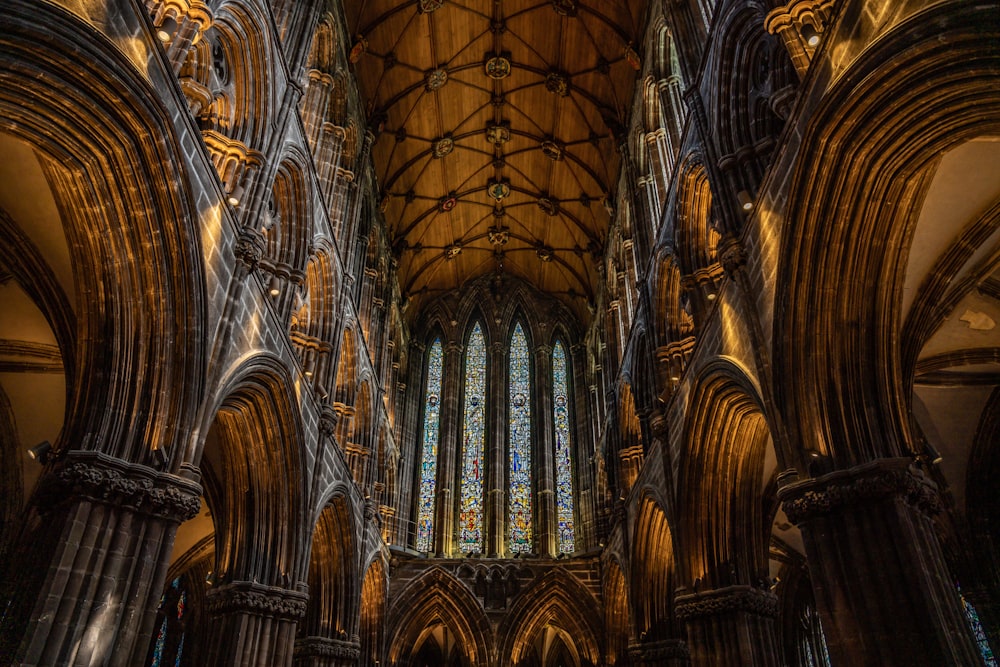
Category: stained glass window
[473,443]
[169,643]
[978,632]
[428,463]
[564,464]
[519,429]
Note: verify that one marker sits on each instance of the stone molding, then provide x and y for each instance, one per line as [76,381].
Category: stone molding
[664,649]
[881,480]
[101,478]
[725,601]
[244,597]
[324,647]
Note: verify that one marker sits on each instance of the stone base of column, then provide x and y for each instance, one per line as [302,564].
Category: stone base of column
[882,587]
[731,626]
[326,652]
[254,625]
[660,653]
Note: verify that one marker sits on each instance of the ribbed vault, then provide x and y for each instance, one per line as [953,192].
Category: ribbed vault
[498,125]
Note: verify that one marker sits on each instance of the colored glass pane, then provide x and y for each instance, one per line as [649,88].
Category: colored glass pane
[972,616]
[428,463]
[473,442]
[564,464]
[519,429]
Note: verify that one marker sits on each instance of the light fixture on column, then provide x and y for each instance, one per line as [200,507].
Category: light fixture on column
[745,200]
[711,296]
[235,195]
[40,452]
[810,35]
[160,458]
[167,28]
[933,455]
[274,288]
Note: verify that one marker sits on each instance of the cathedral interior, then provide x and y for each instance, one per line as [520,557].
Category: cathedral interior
[510,333]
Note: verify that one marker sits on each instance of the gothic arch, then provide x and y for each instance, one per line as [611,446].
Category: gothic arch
[696,238]
[372,621]
[723,524]
[251,467]
[617,620]
[92,143]
[555,599]
[848,343]
[652,574]
[331,611]
[437,597]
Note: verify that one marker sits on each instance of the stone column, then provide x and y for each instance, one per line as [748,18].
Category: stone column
[254,625]
[93,562]
[325,652]
[451,418]
[495,519]
[546,516]
[731,626]
[882,586]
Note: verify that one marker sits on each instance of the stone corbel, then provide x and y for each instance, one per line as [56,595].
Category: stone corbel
[801,24]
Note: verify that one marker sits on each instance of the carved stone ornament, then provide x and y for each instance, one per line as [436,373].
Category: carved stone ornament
[558,83]
[632,57]
[447,203]
[727,600]
[328,419]
[548,205]
[499,235]
[249,248]
[443,146]
[732,256]
[552,150]
[428,6]
[881,480]
[104,479]
[659,651]
[498,67]
[435,79]
[452,251]
[243,597]
[498,133]
[359,49]
[324,647]
[564,7]
[499,190]
[545,254]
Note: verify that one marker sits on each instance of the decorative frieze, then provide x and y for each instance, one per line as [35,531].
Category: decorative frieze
[101,478]
[727,600]
[885,479]
[657,652]
[325,647]
[244,597]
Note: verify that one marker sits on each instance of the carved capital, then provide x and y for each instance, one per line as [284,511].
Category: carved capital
[726,601]
[328,419]
[732,256]
[878,481]
[249,248]
[244,597]
[101,478]
[657,652]
[325,647]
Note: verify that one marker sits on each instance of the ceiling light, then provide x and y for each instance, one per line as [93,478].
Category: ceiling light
[810,35]
[40,452]
[746,202]
[167,29]
[235,195]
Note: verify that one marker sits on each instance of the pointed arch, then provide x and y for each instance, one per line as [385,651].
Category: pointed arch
[372,619]
[438,598]
[556,599]
[330,611]
[652,577]
[617,620]
[696,237]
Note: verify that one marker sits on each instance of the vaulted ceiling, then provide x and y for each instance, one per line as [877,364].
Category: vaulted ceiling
[497,152]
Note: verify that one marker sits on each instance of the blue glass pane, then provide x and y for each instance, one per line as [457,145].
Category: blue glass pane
[564,464]
[473,442]
[428,464]
[520,443]
[972,616]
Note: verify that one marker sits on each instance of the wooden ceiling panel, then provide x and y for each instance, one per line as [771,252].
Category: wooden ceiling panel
[523,198]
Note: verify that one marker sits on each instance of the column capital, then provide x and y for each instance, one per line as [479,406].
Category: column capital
[325,647]
[105,479]
[251,598]
[727,600]
[872,482]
